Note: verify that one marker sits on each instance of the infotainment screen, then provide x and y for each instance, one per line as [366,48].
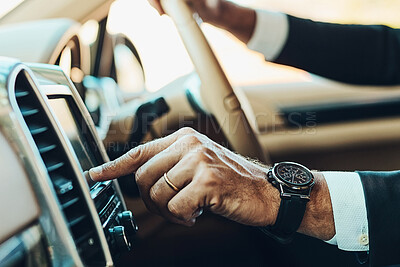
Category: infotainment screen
[76,133]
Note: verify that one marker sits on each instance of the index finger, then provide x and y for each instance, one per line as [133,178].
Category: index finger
[132,160]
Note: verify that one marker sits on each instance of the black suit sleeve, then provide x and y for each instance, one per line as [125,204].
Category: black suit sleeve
[382,197]
[358,54]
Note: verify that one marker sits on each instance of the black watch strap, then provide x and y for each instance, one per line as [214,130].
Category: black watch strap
[290,216]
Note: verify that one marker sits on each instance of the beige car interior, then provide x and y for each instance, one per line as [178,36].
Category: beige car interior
[16,185]
[261,103]
[253,120]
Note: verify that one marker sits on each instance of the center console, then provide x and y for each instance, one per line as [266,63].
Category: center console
[118,223]
[65,146]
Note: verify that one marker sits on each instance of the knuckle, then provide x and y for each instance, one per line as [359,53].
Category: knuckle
[136,154]
[174,210]
[139,176]
[208,179]
[203,150]
[205,154]
[154,194]
[210,182]
[191,140]
[133,153]
[216,201]
[111,166]
[199,157]
[187,131]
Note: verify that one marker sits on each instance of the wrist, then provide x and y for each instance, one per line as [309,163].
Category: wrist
[302,202]
[318,219]
[271,199]
[273,203]
[238,20]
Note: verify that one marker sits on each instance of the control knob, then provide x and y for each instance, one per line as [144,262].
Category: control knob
[128,222]
[120,238]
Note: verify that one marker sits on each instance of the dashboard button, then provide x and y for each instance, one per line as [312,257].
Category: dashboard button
[120,239]
[126,220]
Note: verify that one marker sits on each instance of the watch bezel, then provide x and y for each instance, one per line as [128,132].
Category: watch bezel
[289,184]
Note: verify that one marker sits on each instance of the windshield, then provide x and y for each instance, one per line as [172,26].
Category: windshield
[8,5]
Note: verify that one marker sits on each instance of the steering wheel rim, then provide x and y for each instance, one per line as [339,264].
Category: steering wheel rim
[216,91]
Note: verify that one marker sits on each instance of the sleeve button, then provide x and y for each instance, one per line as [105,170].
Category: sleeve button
[363,239]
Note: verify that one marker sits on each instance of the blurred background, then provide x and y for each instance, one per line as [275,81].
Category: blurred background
[164,58]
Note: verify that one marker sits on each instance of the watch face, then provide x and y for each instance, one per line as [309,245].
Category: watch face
[293,174]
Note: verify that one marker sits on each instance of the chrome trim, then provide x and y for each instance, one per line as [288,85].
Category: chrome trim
[61,90]
[71,156]
[61,245]
[285,194]
[29,240]
[82,108]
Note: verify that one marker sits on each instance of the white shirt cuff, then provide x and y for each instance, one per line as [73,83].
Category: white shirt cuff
[270,33]
[349,211]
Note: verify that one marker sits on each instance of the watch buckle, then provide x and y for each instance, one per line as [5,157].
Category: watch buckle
[290,195]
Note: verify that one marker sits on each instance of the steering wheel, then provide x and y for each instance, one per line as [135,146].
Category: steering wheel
[216,92]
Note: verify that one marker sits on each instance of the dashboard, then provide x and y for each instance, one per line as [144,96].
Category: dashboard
[82,223]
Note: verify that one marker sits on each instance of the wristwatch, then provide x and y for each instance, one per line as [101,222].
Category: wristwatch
[294,182]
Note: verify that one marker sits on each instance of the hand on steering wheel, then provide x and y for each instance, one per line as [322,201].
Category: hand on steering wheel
[209,10]
[216,93]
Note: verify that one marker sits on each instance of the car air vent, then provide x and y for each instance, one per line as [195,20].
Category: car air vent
[60,171]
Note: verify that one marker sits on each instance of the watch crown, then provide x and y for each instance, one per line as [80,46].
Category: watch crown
[269,177]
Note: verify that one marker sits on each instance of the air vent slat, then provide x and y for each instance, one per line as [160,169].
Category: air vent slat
[19,94]
[70,203]
[37,129]
[43,148]
[77,220]
[26,112]
[52,166]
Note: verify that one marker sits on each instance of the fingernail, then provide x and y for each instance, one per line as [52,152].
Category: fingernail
[94,172]
[198,212]
[87,175]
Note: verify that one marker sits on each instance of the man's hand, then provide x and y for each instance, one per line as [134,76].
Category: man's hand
[238,20]
[207,175]
[210,10]
[210,176]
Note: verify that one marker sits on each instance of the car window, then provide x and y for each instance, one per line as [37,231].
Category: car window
[8,5]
